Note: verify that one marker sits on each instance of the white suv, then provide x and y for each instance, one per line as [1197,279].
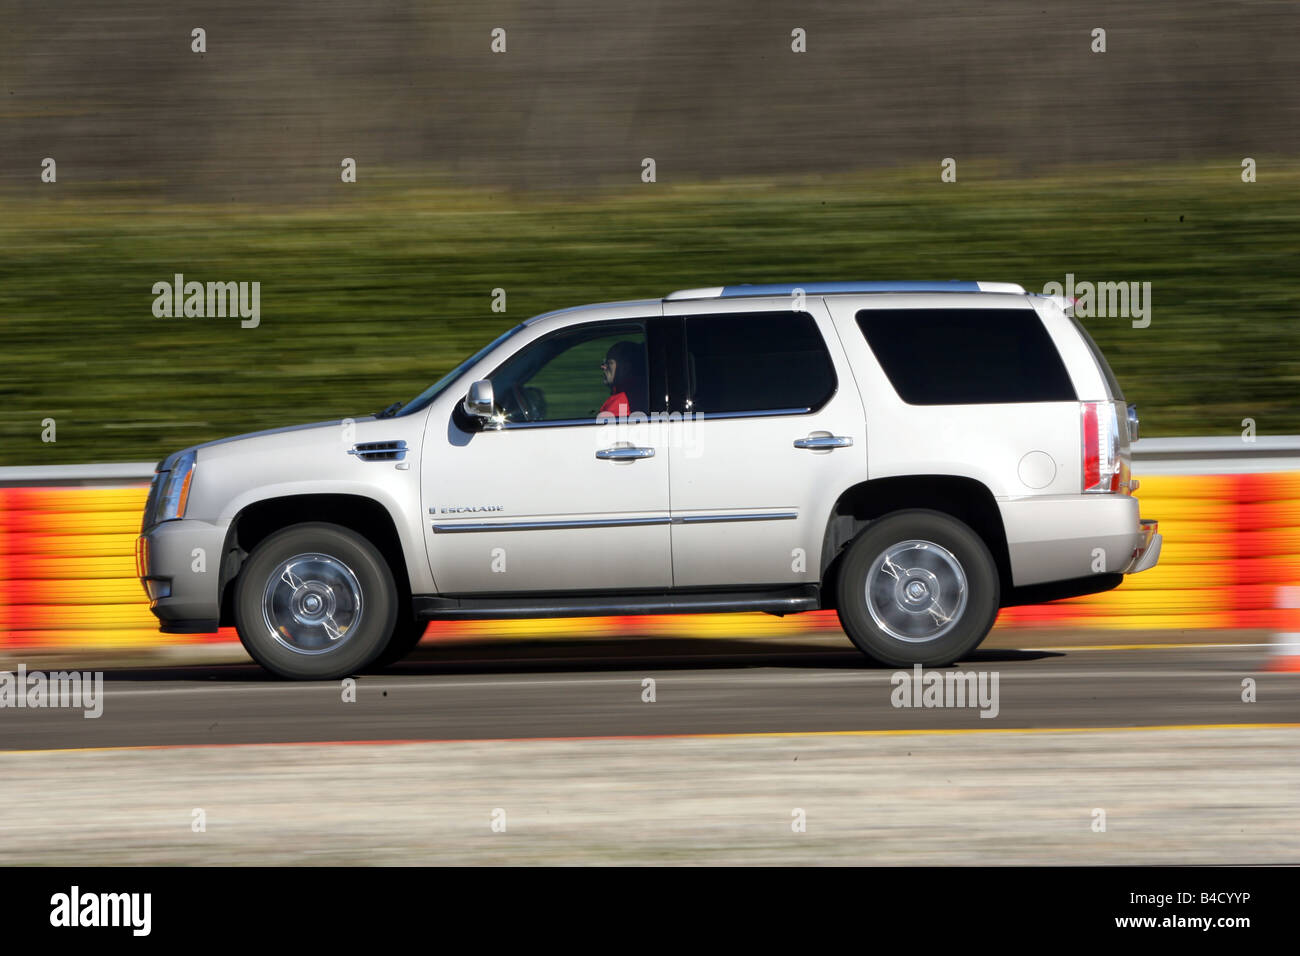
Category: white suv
[916,455]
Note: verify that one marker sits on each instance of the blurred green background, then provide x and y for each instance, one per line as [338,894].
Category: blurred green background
[521,171]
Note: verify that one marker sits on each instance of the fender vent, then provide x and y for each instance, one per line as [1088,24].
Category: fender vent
[379,450]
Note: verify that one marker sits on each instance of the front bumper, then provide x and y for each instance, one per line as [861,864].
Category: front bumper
[179,565]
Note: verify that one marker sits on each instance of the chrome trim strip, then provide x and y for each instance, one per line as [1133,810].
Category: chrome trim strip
[557,423]
[647,418]
[753,516]
[470,526]
[459,526]
[707,416]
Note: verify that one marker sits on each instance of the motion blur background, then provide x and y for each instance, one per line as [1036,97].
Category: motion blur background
[522,171]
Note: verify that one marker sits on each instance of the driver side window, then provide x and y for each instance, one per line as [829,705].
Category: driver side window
[575,375]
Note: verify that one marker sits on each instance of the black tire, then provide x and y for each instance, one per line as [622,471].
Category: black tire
[367,634]
[969,622]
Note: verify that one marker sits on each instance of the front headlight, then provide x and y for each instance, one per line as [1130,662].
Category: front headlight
[175,491]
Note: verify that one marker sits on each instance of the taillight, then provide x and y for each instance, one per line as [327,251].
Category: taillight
[1101,461]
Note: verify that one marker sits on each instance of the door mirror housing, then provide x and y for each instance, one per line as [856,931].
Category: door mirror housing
[480,403]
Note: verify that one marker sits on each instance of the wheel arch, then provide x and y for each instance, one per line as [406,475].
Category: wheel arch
[966,499]
[258,520]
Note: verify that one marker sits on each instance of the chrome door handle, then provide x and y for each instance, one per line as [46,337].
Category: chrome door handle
[624,453]
[824,441]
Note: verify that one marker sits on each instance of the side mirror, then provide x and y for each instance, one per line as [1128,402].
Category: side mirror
[480,403]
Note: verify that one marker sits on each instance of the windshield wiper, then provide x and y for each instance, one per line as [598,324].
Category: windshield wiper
[390,411]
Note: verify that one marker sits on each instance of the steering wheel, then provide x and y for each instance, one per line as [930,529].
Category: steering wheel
[529,402]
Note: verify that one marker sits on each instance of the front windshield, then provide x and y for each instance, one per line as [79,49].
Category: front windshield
[437,388]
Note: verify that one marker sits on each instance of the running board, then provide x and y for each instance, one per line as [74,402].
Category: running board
[779,600]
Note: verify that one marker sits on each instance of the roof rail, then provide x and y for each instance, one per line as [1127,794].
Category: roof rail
[832,288]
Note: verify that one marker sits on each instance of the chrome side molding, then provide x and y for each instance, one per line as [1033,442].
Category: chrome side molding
[755,516]
[461,527]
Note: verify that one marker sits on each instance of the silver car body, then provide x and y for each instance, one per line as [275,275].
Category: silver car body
[720,503]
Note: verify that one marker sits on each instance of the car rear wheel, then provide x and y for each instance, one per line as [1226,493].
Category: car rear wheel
[315,602]
[918,587]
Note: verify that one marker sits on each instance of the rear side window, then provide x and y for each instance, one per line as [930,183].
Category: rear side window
[756,362]
[966,356]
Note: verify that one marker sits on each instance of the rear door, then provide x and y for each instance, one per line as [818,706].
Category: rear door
[772,430]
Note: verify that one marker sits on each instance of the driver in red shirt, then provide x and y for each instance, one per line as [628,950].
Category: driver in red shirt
[622,370]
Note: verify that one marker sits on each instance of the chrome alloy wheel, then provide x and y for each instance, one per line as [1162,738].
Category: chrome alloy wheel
[916,591]
[312,603]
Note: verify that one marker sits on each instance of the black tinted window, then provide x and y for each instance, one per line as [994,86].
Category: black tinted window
[966,356]
[757,362]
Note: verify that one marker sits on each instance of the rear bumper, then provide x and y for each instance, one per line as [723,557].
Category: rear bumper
[1053,538]
[1146,554]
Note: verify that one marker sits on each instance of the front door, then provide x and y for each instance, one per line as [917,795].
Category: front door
[568,493]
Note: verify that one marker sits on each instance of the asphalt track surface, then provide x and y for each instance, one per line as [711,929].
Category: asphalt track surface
[594,689]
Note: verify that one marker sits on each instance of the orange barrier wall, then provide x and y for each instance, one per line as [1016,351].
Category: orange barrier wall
[67,571]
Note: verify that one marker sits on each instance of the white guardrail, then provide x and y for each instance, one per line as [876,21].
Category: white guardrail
[1220,455]
[1151,456]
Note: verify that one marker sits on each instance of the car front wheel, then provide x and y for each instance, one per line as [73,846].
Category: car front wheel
[315,602]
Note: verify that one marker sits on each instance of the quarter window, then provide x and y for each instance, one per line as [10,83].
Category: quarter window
[967,356]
